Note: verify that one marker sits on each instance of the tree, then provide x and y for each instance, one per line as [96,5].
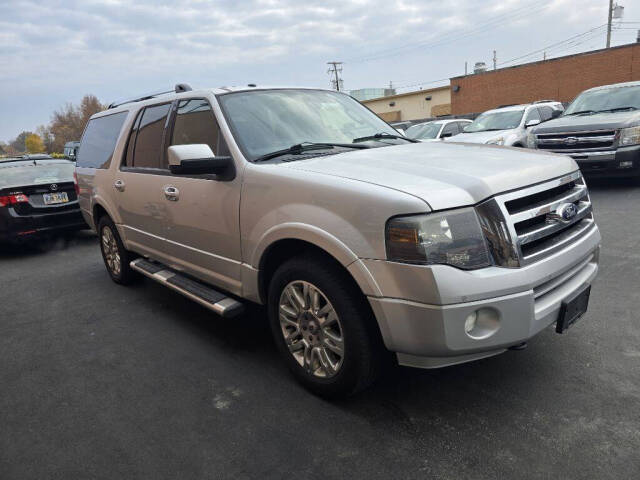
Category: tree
[18,145]
[67,124]
[34,144]
[2,148]
[46,136]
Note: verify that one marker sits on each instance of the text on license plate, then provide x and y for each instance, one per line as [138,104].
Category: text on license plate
[53,198]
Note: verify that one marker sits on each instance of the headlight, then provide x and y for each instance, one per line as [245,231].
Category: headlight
[629,136]
[452,238]
[531,140]
[495,141]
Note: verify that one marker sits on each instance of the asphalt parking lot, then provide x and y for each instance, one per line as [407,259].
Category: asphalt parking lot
[103,381]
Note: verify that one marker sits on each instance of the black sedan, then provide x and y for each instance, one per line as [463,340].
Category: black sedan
[38,194]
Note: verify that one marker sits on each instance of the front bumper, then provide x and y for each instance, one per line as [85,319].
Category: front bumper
[422,311]
[623,162]
[14,226]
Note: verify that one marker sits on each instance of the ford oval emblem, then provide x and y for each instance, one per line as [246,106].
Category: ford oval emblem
[565,212]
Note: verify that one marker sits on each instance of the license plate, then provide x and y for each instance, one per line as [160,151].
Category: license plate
[53,198]
[573,308]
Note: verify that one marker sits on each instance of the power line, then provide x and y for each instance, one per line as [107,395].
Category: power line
[455,36]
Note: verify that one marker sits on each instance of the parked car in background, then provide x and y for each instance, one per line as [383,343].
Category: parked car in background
[38,194]
[359,241]
[508,125]
[600,129]
[437,129]
[71,150]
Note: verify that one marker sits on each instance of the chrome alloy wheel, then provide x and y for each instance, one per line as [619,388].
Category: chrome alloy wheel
[311,328]
[110,249]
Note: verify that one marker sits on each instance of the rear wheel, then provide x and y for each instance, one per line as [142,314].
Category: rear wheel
[323,328]
[116,257]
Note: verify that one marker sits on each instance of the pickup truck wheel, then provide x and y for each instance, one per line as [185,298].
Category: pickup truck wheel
[321,327]
[115,257]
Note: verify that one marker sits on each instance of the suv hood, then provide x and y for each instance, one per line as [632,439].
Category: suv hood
[445,175]
[479,137]
[598,121]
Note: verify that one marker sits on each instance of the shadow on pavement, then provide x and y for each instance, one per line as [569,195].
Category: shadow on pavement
[45,244]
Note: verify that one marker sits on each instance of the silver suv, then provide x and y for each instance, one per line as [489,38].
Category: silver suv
[359,242]
[509,125]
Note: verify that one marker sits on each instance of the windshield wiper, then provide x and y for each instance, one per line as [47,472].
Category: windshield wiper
[618,109]
[383,135]
[581,112]
[299,148]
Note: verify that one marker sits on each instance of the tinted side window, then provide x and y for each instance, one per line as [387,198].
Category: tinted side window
[148,144]
[99,140]
[131,143]
[195,123]
[461,126]
[532,114]
[450,128]
[546,113]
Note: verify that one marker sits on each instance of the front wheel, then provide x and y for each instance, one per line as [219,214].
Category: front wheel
[323,327]
[116,257]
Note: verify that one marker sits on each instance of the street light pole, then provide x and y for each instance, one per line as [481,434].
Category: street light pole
[610,18]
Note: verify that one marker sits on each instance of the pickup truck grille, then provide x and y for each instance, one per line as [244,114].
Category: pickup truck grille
[576,141]
[531,227]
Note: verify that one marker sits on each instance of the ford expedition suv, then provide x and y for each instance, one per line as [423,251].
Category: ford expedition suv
[600,129]
[358,241]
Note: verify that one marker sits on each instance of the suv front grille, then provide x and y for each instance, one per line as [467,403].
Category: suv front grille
[576,141]
[523,226]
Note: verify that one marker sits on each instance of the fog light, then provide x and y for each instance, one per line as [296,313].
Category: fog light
[482,323]
[626,164]
[470,322]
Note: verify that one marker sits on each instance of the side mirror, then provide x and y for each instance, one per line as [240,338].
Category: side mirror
[195,159]
[446,135]
[532,123]
[556,113]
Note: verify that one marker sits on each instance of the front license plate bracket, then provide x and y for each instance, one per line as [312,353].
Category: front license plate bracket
[573,308]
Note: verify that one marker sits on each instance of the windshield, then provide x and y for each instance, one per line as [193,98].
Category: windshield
[425,131]
[264,121]
[495,121]
[606,99]
[24,174]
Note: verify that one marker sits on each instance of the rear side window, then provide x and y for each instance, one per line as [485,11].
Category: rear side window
[99,140]
[148,141]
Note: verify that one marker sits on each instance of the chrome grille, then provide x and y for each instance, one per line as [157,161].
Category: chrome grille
[523,226]
[576,141]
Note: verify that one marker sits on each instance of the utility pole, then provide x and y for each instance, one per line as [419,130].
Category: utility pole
[335,69]
[609,23]
[544,55]
[495,60]
[465,68]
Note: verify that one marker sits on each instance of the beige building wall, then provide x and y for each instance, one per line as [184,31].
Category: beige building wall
[412,105]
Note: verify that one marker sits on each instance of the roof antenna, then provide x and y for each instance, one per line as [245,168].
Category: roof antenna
[183,87]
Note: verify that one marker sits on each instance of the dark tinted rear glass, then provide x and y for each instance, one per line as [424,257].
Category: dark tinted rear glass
[99,140]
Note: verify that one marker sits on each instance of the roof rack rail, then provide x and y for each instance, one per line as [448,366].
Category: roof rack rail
[179,88]
[545,101]
[507,105]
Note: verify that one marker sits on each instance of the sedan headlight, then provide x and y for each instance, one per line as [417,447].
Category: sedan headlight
[452,238]
[629,136]
[495,141]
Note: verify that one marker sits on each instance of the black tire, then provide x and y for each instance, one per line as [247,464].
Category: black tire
[124,275]
[364,353]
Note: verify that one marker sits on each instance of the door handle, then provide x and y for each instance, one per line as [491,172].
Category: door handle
[119,185]
[171,193]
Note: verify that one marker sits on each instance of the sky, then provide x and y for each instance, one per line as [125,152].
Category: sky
[54,52]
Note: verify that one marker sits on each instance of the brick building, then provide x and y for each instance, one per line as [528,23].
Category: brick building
[557,79]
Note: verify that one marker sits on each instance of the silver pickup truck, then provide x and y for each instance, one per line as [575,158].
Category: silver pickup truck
[362,244]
